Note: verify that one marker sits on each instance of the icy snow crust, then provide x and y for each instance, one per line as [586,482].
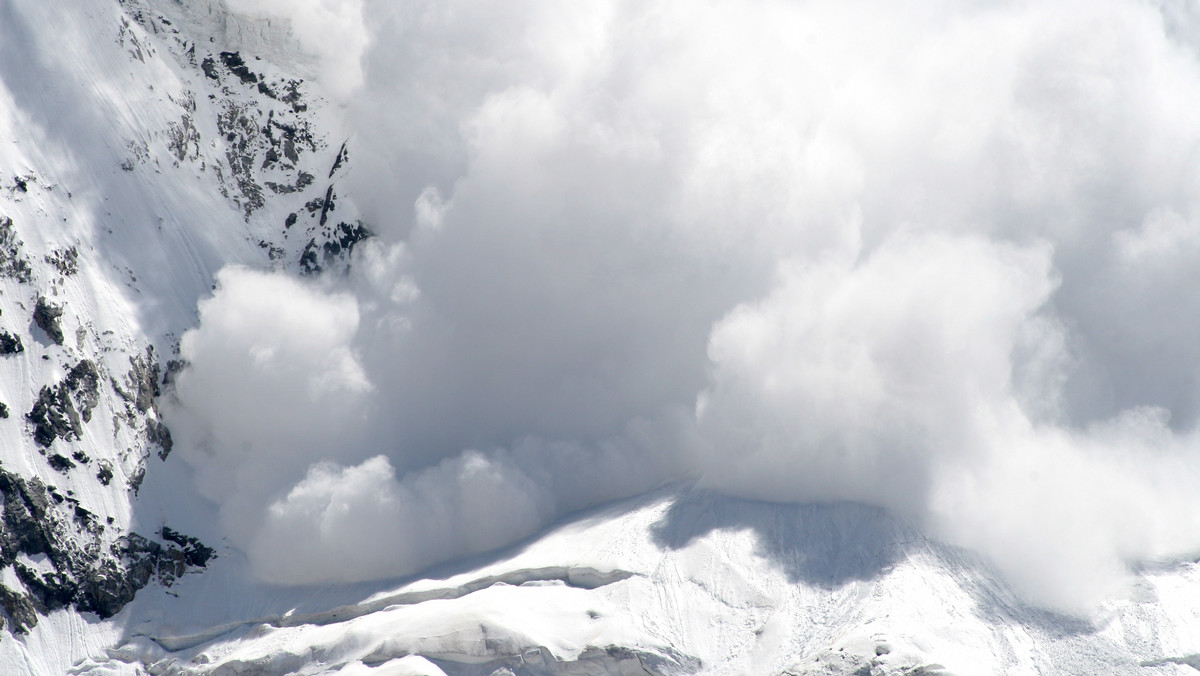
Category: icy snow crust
[125,134]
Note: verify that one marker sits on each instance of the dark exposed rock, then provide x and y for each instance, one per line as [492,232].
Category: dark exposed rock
[60,463]
[290,93]
[342,156]
[241,133]
[66,261]
[105,472]
[303,180]
[289,221]
[254,138]
[183,139]
[60,411]
[128,39]
[86,519]
[309,265]
[10,343]
[210,68]
[158,435]
[273,252]
[288,138]
[108,589]
[142,380]
[52,417]
[195,552]
[12,262]
[174,366]
[26,523]
[233,61]
[3,411]
[76,571]
[343,239]
[20,610]
[328,205]
[83,383]
[340,243]
[48,318]
[135,480]
[141,389]
[50,590]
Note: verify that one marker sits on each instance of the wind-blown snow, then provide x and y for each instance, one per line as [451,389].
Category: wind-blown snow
[938,258]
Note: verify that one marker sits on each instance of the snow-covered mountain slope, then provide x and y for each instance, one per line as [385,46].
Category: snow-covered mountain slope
[682,581]
[134,163]
[147,144]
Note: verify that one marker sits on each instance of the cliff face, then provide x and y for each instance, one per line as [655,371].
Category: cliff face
[142,146]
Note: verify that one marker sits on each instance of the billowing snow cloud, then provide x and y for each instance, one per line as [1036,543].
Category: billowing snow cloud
[939,258]
[859,381]
[275,386]
[330,30]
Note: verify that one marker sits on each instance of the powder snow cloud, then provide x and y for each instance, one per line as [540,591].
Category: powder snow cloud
[939,259]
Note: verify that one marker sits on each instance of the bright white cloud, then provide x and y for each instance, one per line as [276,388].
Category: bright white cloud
[857,380]
[273,384]
[470,503]
[933,258]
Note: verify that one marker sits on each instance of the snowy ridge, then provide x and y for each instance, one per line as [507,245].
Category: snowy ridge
[581,577]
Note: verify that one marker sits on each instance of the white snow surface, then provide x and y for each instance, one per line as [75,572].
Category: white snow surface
[684,580]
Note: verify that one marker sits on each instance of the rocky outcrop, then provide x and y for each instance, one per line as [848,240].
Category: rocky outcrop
[10,343]
[158,435]
[339,242]
[195,553]
[12,263]
[73,566]
[65,261]
[48,317]
[140,388]
[60,411]
[267,155]
[140,392]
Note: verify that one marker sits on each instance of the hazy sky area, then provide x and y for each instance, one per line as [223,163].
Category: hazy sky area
[937,256]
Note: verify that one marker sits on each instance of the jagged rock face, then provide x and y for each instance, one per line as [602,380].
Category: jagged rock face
[76,568]
[262,147]
[10,343]
[48,318]
[86,261]
[60,411]
[12,263]
[100,270]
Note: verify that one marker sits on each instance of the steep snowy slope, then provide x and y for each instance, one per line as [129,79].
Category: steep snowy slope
[134,163]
